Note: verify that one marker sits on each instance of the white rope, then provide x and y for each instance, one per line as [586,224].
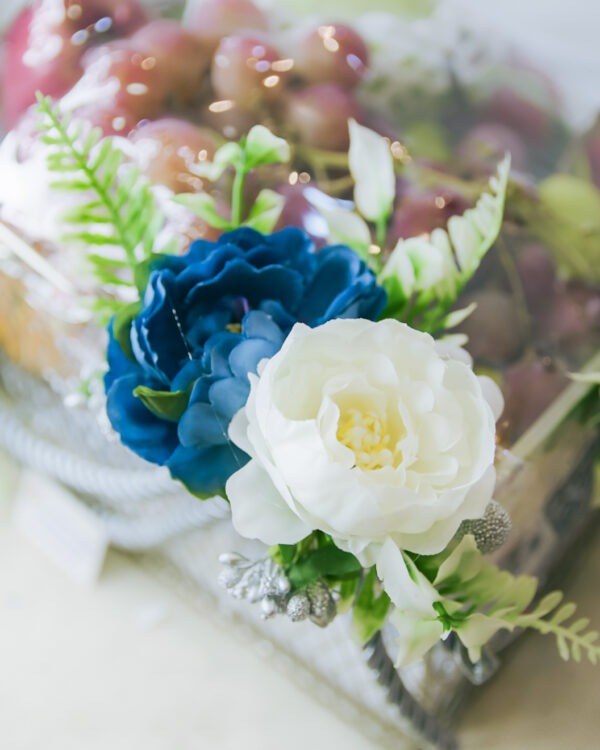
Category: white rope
[119,491]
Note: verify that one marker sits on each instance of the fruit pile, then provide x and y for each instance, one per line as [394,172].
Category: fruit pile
[177,89]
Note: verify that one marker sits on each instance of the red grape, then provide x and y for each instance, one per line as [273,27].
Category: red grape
[526,117]
[105,116]
[333,53]
[213,19]
[167,147]
[529,388]
[421,213]
[538,276]
[39,56]
[486,144]
[102,16]
[319,115]
[592,147]
[495,331]
[298,212]
[243,70]
[181,55]
[572,321]
[127,81]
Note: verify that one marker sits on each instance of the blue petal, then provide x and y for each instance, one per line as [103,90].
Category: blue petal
[201,426]
[337,270]
[257,324]
[246,356]
[189,373]
[118,363]
[359,301]
[229,395]
[143,432]
[217,351]
[240,279]
[157,338]
[205,472]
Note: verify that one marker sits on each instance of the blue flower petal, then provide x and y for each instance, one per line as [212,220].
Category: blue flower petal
[217,351]
[258,324]
[150,437]
[229,395]
[246,356]
[205,472]
[201,426]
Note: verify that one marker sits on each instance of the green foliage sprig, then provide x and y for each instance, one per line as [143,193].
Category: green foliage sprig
[258,148]
[117,209]
[476,599]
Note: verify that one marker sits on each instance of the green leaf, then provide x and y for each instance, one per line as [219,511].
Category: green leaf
[263,147]
[204,206]
[325,562]
[427,140]
[426,274]
[332,561]
[266,211]
[286,553]
[167,405]
[573,200]
[120,199]
[228,155]
[370,608]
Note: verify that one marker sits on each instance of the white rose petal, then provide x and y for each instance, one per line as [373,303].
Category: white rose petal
[370,432]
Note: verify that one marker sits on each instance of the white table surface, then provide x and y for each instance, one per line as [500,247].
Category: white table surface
[128,665]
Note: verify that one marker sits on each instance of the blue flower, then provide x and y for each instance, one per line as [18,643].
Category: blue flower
[207,318]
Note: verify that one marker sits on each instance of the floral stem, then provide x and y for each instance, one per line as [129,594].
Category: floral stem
[381,230]
[237,193]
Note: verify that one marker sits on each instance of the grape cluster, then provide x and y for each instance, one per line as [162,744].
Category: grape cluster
[175,89]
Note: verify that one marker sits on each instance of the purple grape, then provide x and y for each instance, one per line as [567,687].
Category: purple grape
[319,115]
[538,277]
[245,70]
[332,53]
[529,387]
[168,147]
[494,329]
[212,20]
[486,144]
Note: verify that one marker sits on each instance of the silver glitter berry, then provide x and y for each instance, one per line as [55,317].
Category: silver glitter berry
[323,608]
[298,607]
[490,531]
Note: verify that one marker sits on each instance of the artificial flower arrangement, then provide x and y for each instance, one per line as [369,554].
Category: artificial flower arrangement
[322,394]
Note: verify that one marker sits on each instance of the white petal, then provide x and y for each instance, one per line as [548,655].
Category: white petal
[372,168]
[238,431]
[258,510]
[493,395]
[416,635]
[406,586]
[399,266]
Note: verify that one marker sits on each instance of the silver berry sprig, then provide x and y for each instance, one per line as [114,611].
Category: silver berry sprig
[264,581]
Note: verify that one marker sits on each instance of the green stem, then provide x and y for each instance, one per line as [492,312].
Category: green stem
[237,194]
[381,230]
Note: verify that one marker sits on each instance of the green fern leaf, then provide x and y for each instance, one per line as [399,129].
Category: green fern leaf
[118,198]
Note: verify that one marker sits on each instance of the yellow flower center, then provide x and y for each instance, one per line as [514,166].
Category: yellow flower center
[366,434]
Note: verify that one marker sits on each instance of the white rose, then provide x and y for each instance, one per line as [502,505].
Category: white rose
[367,432]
